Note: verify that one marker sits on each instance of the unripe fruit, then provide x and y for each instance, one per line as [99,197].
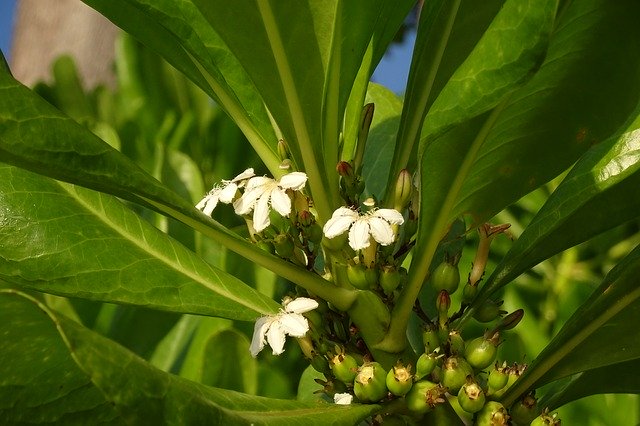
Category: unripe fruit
[492,414]
[471,397]
[389,279]
[357,276]
[524,411]
[469,293]
[371,276]
[445,277]
[498,377]
[454,373]
[344,367]
[284,245]
[424,395]
[456,342]
[488,311]
[546,419]
[336,243]
[426,364]
[481,352]
[430,339]
[513,373]
[370,383]
[399,380]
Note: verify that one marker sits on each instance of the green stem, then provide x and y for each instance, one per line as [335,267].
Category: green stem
[341,298]
[423,255]
[415,109]
[316,181]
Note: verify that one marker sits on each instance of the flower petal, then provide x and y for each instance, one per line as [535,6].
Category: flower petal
[342,398]
[340,221]
[293,324]
[381,230]
[390,215]
[259,331]
[359,235]
[228,192]
[261,213]
[245,204]
[275,337]
[244,175]
[300,305]
[280,202]
[295,181]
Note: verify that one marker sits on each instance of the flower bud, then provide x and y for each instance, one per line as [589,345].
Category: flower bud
[471,397]
[424,396]
[389,279]
[523,412]
[344,367]
[443,303]
[306,218]
[399,379]
[345,169]
[481,352]
[445,277]
[370,383]
[510,321]
[492,414]
[403,190]
[454,373]
[283,150]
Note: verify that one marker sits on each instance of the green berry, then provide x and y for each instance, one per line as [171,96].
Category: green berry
[426,364]
[492,414]
[471,397]
[456,342]
[498,378]
[284,245]
[524,411]
[357,276]
[423,396]
[488,311]
[370,382]
[454,373]
[546,419]
[389,279]
[344,367]
[430,339]
[445,277]
[481,352]
[399,380]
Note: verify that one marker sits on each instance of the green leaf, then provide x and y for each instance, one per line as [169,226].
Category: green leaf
[37,137]
[378,153]
[598,334]
[582,94]
[230,348]
[179,33]
[597,194]
[143,394]
[39,382]
[66,240]
[615,378]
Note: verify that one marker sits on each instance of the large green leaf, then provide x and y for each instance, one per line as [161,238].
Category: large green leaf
[70,241]
[37,137]
[142,394]
[598,334]
[615,378]
[179,33]
[597,194]
[583,93]
[484,81]
[39,382]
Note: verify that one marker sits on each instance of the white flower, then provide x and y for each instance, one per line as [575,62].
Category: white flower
[374,223]
[262,192]
[343,398]
[273,329]
[224,192]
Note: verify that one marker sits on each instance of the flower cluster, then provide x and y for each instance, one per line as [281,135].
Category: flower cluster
[273,329]
[374,223]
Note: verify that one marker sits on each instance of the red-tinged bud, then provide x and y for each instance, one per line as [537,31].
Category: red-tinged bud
[345,169]
[306,218]
[443,303]
[510,321]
